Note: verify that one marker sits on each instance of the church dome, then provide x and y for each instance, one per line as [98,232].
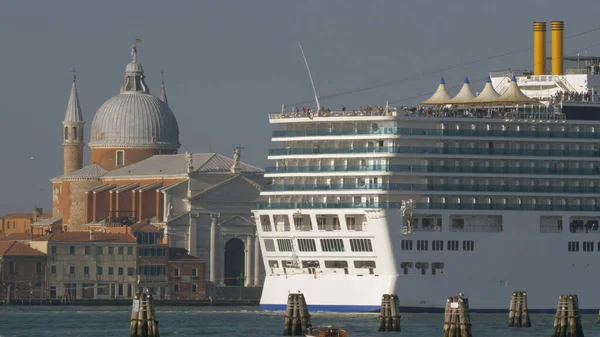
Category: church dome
[134,119]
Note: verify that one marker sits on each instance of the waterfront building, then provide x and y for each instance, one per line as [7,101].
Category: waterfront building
[22,271]
[186,275]
[89,265]
[22,222]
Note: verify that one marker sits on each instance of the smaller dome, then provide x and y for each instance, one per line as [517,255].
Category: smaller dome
[134,67]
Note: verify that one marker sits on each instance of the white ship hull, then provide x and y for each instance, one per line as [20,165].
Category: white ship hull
[518,258]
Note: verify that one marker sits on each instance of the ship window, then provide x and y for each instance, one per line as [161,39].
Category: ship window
[452,244]
[364,264]
[307,245]
[273,264]
[310,264]
[435,266]
[336,264]
[588,246]
[288,264]
[284,245]
[332,245]
[361,245]
[269,245]
[265,223]
[422,244]
[423,266]
[468,245]
[408,245]
[405,266]
[351,223]
[457,224]
[573,246]
[437,244]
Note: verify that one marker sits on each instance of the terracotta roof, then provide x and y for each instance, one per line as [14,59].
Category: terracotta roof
[145,227]
[85,237]
[18,236]
[25,215]
[181,254]
[13,248]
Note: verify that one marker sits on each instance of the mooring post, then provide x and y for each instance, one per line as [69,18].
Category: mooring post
[297,317]
[457,318]
[389,314]
[567,321]
[525,321]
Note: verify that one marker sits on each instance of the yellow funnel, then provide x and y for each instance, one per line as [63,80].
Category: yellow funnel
[539,48]
[557,47]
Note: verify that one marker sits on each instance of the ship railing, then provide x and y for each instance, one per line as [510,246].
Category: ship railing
[339,113]
[425,228]
[550,229]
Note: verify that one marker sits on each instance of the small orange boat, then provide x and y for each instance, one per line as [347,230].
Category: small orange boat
[327,331]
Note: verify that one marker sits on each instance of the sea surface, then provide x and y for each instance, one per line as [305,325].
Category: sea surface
[80,321]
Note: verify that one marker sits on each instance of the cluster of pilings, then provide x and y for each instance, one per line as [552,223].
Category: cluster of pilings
[143,318]
[457,319]
[567,321]
[389,316]
[518,316]
[297,318]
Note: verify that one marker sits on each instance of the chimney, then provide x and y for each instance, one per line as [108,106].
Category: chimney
[91,235]
[539,48]
[557,47]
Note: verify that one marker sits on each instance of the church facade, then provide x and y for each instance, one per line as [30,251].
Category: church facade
[201,201]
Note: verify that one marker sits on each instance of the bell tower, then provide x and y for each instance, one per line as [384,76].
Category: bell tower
[72,133]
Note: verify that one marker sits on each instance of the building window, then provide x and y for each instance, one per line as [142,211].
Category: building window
[176,272]
[111,250]
[422,244]
[72,250]
[120,288]
[111,271]
[72,270]
[361,245]
[53,249]
[121,251]
[66,132]
[99,250]
[120,271]
[269,245]
[588,246]
[194,288]
[129,250]
[74,133]
[38,267]
[452,244]
[86,270]
[98,270]
[130,271]
[406,245]
[573,246]
[332,245]
[307,245]
[120,158]
[11,268]
[53,270]
[468,245]
[194,272]
[87,250]
[437,244]
[176,288]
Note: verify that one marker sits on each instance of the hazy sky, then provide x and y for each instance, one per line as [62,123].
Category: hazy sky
[228,63]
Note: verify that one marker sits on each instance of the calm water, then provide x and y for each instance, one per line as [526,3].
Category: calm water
[241,321]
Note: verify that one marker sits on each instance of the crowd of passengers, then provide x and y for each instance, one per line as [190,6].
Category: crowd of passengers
[573,96]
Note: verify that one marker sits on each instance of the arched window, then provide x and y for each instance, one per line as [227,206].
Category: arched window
[66,132]
[75,133]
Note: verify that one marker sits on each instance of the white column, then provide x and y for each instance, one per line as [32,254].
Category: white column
[192,236]
[213,246]
[248,267]
[257,261]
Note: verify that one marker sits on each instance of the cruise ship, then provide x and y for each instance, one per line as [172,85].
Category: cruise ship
[478,193]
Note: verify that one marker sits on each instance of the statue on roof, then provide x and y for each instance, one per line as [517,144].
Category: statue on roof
[133,52]
[190,161]
[237,154]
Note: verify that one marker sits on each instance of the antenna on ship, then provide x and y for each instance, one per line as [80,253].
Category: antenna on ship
[310,76]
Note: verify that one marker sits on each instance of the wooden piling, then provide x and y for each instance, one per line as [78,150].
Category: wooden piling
[518,315]
[389,314]
[297,317]
[457,317]
[567,321]
[143,317]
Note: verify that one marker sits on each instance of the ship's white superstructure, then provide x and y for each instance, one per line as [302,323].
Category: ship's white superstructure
[477,196]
